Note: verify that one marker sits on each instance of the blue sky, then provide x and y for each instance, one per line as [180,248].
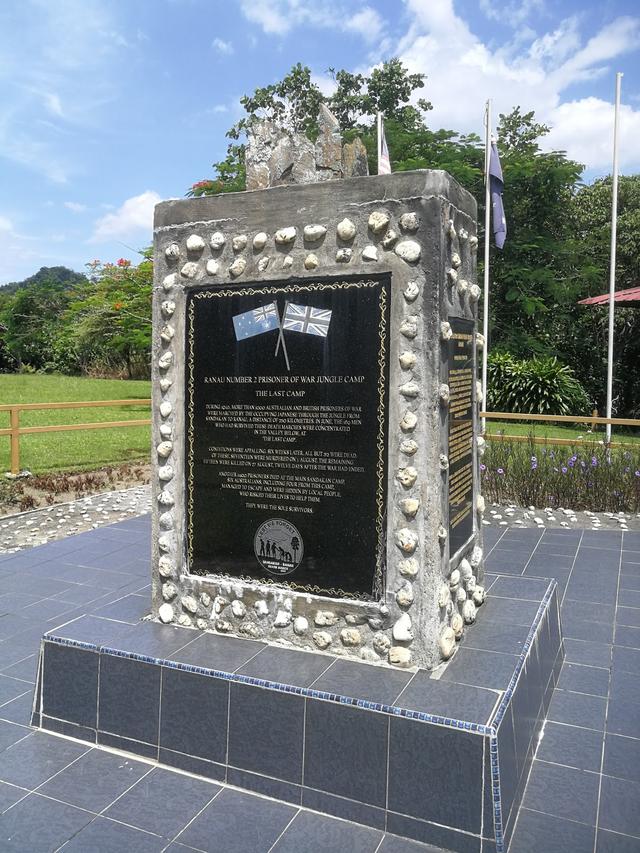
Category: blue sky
[109,106]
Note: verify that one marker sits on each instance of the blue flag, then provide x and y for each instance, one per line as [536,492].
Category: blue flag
[256,322]
[496,186]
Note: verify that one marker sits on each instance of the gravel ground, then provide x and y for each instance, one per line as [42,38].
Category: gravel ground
[517,516]
[26,529]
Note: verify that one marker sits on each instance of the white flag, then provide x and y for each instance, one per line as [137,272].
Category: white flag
[384,163]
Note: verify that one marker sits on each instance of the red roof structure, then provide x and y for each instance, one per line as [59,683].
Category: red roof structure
[631,296]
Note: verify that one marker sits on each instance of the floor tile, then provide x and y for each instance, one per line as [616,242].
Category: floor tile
[448,699]
[395,844]
[619,799]
[625,660]
[11,688]
[578,709]
[584,679]
[371,683]
[10,795]
[236,822]
[308,831]
[622,757]
[613,842]
[32,761]
[591,654]
[225,654]
[480,668]
[570,745]
[95,780]
[163,802]
[626,636]
[541,833]
[107,836]
[39,825]
[563,792]
[287,666]
[11,733]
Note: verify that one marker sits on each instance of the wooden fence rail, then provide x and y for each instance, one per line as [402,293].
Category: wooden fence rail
[15,430]
[592,421]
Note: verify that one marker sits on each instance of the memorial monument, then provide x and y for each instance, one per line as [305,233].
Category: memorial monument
[314,408]
[316,511]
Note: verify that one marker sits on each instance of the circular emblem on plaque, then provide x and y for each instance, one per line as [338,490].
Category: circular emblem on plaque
[278,546]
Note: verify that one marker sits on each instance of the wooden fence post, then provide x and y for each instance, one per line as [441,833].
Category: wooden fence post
[594,426]
[14,423]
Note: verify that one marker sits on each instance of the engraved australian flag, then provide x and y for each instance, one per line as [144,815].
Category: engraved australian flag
[256,321]
[308,320]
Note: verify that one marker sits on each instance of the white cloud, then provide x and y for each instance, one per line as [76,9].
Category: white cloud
[462,72]
[134,216]
[279,17]
[223,47]
[75,206]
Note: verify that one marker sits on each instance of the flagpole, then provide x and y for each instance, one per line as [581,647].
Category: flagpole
[379,139]
[281,335]
[612,266]
[487,227]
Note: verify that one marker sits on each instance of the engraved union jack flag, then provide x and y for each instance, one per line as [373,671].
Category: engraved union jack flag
[308,320]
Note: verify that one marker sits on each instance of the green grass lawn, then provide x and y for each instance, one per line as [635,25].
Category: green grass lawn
[577,432]
[80,449]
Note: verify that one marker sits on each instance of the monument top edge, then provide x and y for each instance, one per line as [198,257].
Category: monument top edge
[378,189]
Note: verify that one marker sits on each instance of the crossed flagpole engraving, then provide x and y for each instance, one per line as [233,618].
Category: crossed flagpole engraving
[295,318]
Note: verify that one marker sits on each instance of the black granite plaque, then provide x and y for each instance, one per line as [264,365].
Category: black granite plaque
[286,414]
[461,372]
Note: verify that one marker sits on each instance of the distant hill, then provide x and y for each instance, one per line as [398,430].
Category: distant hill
[60,275]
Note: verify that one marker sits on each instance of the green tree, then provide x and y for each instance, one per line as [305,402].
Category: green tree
[110,320]
[294,103]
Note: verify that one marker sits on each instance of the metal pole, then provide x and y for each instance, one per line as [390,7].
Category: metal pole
[487,226]
[379,140]
[612,267]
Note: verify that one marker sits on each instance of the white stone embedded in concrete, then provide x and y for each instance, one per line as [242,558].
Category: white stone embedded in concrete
[217,241]
[402,629]
[378,221]
[325,618]
[399,656]
[370,253]
[169,281]
[322,639]
[311,262]
[195,243]
[410,506]
[409,568]
[406,540]
[300,625]
[343,256]
[189,270]
[389,239]
[412,291]
[237,267]
[350,637]
[172,252]
[410,222]
[212,267]
[260,241]
[286,236]
[346,230]
[164,449]
[408,250]
[239,242]
[409,327]
[407,476]
[409,390]
[409,421]
[408,446]
[447,642]
[313,233]
[165,612]
[407,360]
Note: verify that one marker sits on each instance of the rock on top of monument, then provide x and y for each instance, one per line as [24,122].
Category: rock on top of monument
[276,156]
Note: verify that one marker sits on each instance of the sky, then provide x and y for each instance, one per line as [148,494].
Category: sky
[110,106]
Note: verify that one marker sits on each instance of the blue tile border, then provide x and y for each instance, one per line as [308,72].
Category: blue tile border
[502,709]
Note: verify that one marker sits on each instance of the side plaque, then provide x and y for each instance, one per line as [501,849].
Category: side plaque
[286,433]
[461,380]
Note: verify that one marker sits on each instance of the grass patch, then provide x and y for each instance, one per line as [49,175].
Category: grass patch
[81,449]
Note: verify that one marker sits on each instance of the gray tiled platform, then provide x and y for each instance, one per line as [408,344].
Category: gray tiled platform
[584,787]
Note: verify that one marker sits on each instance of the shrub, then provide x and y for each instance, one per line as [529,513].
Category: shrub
[583,476]
[538,385]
